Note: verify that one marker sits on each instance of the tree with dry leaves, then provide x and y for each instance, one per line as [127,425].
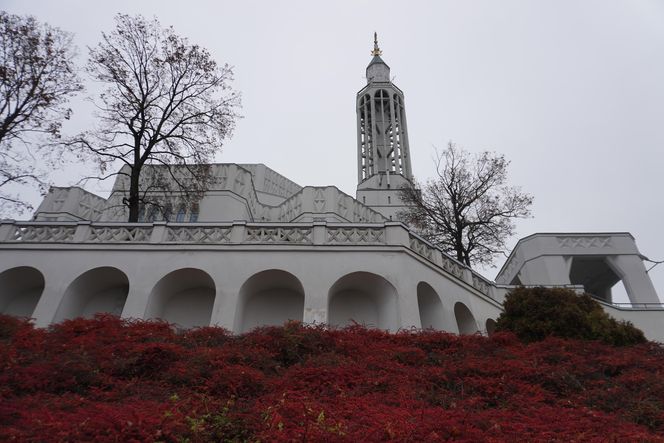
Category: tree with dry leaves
[468,209]
[166,108]
[38,76]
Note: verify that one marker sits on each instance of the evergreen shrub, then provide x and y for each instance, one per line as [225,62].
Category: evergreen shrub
[534,314]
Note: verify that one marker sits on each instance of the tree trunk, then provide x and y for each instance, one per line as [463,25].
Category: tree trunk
[134,201]
[459,254]
[458,244]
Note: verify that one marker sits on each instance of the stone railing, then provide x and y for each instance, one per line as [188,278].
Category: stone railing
[437,256]
[198,234]
[423,248]
[631,306]
[118,234]
[241,233]
[454,267]
[41,233]
[638,306]
[292,235]
[355,235]
[481,284]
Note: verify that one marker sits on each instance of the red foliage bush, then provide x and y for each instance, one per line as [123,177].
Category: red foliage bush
[115,380]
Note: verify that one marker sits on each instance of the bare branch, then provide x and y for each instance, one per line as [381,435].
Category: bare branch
[165,112]
[467,209]
[37,78]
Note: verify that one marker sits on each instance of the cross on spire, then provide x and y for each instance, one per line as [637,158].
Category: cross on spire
[376,50]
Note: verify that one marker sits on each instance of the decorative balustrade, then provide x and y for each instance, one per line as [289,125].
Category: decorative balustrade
[355,236]
[480,283]
[198,234]
[439,257]
[305,234]
[422,248]
[452,266]
[278,235]
[42,233]
[107,234]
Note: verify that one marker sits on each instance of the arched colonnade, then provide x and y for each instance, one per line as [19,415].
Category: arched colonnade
[186,297]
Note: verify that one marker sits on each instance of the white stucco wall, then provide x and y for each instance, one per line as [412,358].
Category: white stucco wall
[243,275]
[375,193]
[384,294]
[269,199]
[223,206]
[649,320]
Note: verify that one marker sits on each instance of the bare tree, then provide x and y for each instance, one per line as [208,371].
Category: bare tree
[166,108]
[468,209]
[37,78]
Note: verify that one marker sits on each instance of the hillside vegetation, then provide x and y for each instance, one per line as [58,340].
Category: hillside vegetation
[108,379]
[537,313]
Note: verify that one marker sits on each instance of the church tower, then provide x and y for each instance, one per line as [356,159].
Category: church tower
[383,155]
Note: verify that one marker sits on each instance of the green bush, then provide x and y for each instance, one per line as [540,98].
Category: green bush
[536,313]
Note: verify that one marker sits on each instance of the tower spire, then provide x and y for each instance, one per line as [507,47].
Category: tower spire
[383,157]
[376,50]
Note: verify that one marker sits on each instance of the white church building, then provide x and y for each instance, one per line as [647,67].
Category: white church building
[260,249]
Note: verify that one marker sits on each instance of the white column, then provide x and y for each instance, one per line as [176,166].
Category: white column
[409,312]
[138,298]
[404,141]
[7,229]
[56,281]
[637,282]
[48,304]
[316,289]
[226,305]
[396,234]
[158,232]
[359,141]
[82,231]
[374,134]
[396,152]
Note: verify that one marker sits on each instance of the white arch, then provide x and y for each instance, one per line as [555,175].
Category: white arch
[20,290]
[490,326]
[184,297]
[364,298]
[95,291]
[465,320]
[432,313]
[270,298]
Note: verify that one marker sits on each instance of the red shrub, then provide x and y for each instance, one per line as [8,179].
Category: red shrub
[109,379]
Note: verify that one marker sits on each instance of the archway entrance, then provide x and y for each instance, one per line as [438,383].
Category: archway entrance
[432,314]
[364,298]
[270,298]
[20,290]
[465,320]
[184,297]
[95,291]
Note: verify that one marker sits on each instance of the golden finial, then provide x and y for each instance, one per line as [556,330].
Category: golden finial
[376,49]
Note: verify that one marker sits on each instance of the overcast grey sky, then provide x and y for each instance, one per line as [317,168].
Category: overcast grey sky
[572,92]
